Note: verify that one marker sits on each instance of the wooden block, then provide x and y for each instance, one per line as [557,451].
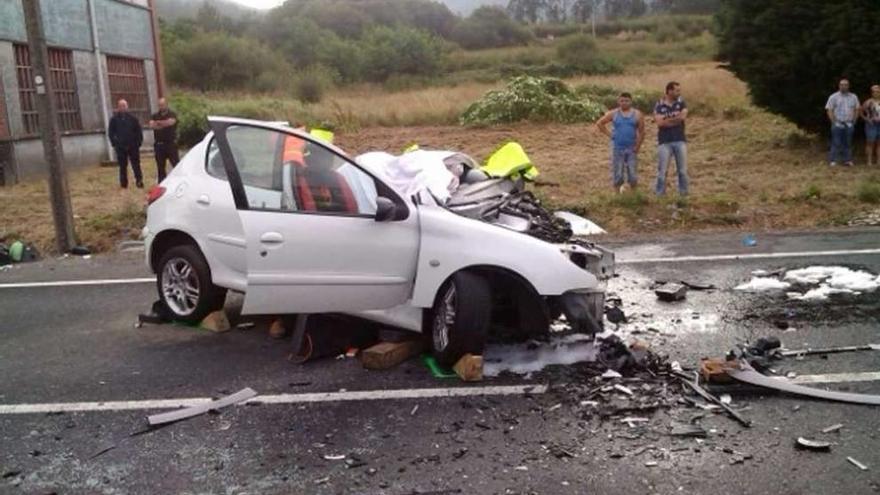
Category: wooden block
[277,329]
[216,322]
[386,355]
[469,368]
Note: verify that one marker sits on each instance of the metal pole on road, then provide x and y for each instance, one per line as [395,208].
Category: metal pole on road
[50,132]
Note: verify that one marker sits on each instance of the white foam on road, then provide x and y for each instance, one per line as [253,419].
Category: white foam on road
[367,395]
[763,284]
[523,359]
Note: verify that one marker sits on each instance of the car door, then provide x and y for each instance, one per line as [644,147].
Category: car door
[313,241]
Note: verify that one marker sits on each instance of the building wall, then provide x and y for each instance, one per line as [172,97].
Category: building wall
[85,150]
[65,22]
[10,85]
[87,90]
[124,29]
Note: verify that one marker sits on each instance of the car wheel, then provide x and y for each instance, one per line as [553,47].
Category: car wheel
[185,286]
[460,318]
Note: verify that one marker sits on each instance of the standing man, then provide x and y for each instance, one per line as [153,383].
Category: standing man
[843,110]
[871,114]
[626,141]
[670,114]
[164,125]
[126,136]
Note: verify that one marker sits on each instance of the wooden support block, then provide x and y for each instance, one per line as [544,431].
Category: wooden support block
[216,322]
[277,330]
[469,368]
[385,355]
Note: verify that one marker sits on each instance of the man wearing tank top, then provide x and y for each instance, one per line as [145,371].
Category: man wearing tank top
[626,140]
[871,114]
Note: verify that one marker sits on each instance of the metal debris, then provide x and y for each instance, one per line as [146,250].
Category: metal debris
[747,374]
[833,428]
[189,412]
[857,464]
[817,445]
[671,292]
[625,390]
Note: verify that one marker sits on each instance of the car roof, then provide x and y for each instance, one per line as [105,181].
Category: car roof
[279,126]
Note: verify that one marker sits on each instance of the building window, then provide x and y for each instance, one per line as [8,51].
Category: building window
[63,80]
[128,82]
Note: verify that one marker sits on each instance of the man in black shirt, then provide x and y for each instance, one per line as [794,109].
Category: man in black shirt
[164,125]
[126,136]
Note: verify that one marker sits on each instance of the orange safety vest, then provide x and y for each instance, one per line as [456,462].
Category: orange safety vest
[294,150]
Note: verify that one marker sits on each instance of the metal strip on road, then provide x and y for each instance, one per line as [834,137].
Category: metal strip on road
[423,393]
[870,376]
[749,256]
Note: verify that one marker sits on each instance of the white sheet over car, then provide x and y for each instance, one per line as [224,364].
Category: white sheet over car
[413,172]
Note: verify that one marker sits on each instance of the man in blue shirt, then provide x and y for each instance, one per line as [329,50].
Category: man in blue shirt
[670,114]
[626,140]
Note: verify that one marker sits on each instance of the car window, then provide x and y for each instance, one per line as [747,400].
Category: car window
[214,163]
[284,172]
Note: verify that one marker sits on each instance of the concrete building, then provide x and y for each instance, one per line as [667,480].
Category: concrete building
[99,51]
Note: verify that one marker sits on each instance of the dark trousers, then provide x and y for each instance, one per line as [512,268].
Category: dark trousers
[165,152]
[123,156]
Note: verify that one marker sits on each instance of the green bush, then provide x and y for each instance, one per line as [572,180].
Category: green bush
[210,61]
[580,52]
[401,50]
[607,96]
[489,27]
[869,192]
[310,84]
[804,44]
[533,99]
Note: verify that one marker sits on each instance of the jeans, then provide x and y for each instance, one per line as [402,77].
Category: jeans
[623,166]
[665,152]
[165,152]
[841,143]
[123,156]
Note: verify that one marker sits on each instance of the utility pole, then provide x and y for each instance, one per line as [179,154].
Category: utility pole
[59,194]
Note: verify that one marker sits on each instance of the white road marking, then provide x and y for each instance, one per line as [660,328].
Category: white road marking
[422,393]
[749,256]
[76,283]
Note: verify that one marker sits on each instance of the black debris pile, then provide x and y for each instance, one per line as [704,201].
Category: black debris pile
[542,223]
[623,380]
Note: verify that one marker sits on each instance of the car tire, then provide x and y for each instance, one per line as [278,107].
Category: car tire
[183,280]
[459,322]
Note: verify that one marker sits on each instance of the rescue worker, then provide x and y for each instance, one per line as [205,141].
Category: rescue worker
[164,125]
[126,136]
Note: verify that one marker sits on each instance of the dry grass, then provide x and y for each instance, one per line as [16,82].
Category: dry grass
[104,214]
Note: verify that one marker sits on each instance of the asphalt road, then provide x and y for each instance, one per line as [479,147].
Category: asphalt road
[79,344]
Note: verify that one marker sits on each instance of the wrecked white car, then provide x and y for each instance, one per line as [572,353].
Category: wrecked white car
[299,227]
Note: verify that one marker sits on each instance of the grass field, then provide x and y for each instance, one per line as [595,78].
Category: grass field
[749,170]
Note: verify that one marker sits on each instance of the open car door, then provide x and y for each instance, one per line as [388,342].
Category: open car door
[322,234]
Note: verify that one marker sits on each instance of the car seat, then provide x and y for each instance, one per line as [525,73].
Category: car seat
[323,190]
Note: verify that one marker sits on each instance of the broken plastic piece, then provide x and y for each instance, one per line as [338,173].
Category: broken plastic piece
[747,374]
[833,428]
[817,445]
[832,350]
[189,412]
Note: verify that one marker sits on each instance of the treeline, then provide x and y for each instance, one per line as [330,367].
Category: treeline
[306,46]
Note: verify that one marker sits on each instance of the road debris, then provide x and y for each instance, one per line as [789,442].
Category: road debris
[833,428]
[830,350]
[817,445]
[746,374]
[688,430]
[671,292]
[857,464]
[386,355]
[711,398]
[333,457]
[189,412]
[625,390]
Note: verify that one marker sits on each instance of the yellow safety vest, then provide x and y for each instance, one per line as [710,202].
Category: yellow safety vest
[510,160]
[323,135]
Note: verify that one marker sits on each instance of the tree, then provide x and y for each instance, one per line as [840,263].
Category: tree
[582,10]
[625,8]
[687,6]
[791,53]
[489,27]
[526,10]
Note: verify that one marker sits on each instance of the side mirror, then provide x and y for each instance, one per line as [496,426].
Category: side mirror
[386,210]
